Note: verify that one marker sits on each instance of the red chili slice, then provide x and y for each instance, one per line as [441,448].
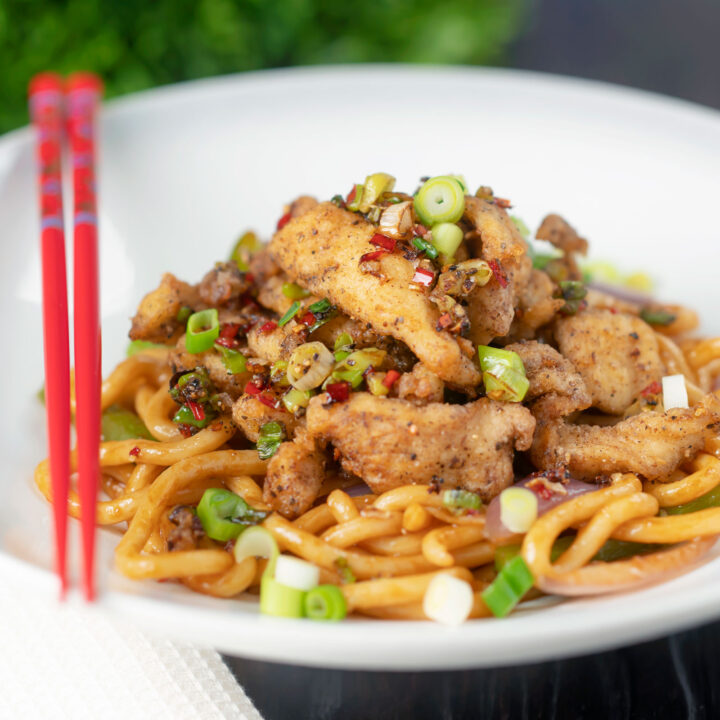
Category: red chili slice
[268,327]
[308,319]
[135,451]
[654,388]
[252,389]
[269,400]
[499,273]
[374,255]
[351,195]
[227,343]
[283,221]
[196,409]
[338,392]
[229,330]
[390,378]
[423,276]
[383,242]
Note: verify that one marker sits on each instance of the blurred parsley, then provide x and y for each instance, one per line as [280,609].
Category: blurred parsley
[135,44]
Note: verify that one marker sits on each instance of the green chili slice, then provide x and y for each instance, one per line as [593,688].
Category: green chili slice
[203,329]
[117,423]
[271,435]
[224,515]
[325,602]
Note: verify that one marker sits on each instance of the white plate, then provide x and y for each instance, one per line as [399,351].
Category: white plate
[185,168]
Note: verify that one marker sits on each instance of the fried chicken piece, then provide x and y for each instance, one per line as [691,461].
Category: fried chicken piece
[616,354]
[556,388]
[321,250]
[391,442]
[536,306]
[156,316]
[496,240]
[223,285]
[421,386]
[211,360]
[277,344]
[650,444]
[294,476]
[249,414]
[562,235]
[262,267]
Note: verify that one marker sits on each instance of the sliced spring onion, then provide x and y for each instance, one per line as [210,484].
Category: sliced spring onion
[674,392]
[355,198]
[185,416]
[440,200]
[375,383]
[518,509]
[448,600]
[343,346]
[446,238]
[296,573]
[309,366]
[459,499]
[354,365]
[224,515]
[294,291]
[325,602]
[183,314]
[657,317]
[271,435]
[509,587]
[244,249]
[117,423]
[320,306]
[503,374]
[257,541]
[137,346]
[291,312]
[233,360]
[375,185]
[280,600]
[425,246]
[278,373]
[202,330]
[295,399]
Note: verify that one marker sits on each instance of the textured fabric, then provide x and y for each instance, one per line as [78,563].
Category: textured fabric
[64,661]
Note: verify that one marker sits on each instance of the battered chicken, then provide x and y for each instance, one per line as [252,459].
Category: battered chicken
[650,444]
[421,386]
[562,235]
[556,388]
[616,354]
[294,476]
[156,316]
[222,285]
[391,442]
[249,414]
[211,360]
[321,250]
[536,306]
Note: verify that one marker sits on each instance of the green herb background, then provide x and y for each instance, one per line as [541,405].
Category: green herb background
[136,44]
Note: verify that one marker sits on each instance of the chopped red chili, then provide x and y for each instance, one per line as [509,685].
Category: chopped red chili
[135,451]
[186,430]
[542,491]
[499,273]
[383,242]
[390,378]
[283,221]
[351,195]
[308,319]
[269,400]
[252,389]
[196,409]
[503,203]
[423,277]
[268,327]
[444,321]
[227,343]
[374,255]
[654,388]
[229,330]
[250,278]
[338,392]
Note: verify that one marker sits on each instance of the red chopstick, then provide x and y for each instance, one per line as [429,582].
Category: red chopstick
[83,95]
[46,112]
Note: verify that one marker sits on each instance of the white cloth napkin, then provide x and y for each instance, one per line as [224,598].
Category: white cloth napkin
[63,661]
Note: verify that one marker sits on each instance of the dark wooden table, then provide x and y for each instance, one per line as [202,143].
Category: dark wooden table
[676,677]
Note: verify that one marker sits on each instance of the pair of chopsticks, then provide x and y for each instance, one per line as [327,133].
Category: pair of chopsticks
[62,110]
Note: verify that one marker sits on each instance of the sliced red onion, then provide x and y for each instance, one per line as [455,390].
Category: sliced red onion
[358,490]
[547,499]
[621,293]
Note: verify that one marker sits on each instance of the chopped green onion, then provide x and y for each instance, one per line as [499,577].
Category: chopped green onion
[458,499]
[271,435]
[257,541]
[294,291]
[296,573]
[137,346]
[462,181]
[509,587]
[244,249]
[425,246]
[518,509]
[503,374]
[224,515]
[117,423]
[233,360]
[203,329]
[325,602]
[540,260]
[354,365]
[309,365]
[446,239]
[320,306]
[278,373]
[708,500]
[448,600]
[572,289]
[657,317]
[440,200]
[295,399]
[291,312]
[375,185]
[183,314]
[184,416]
[522,228]
[280,600]
[354,205]
[343,346]
[346,574]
